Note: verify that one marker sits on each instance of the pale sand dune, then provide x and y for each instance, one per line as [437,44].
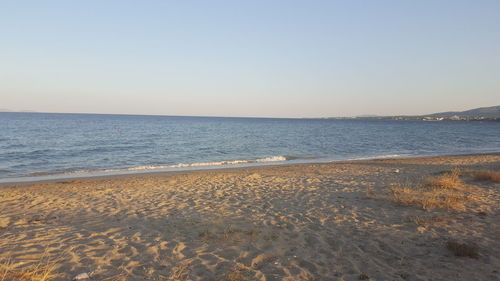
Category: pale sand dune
[297,222]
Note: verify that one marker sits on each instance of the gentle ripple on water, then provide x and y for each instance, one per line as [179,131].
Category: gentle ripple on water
[41,144]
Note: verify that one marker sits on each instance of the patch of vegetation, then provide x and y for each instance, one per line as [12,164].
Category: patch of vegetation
[445,191]
[487,176]
[236,274]
[448,180]
[180,272]
[44,270]
[462,249]
[363,276]
[370,192]
[429,200]
[229,230]
[427,220]
[252,232]
[273,236]
[207,235]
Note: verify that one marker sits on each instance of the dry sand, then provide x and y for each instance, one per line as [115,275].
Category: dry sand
[295,222]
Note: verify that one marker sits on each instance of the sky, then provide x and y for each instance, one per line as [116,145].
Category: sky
[249,58]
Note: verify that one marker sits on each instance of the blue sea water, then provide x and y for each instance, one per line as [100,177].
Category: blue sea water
[44,145]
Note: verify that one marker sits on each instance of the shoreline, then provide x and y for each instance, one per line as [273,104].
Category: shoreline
[23,181]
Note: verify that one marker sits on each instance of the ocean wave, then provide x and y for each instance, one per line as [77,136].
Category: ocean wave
[383,156]
[230,162]
[216,163]
[139,168]
[39,174]
[151,167]
[272,159]
[388,156]
[57,172]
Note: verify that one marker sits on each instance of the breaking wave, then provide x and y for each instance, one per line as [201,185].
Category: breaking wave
[213,163]
[384,156]
[158,167]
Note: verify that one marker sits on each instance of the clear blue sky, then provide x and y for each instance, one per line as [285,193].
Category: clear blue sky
[249,58]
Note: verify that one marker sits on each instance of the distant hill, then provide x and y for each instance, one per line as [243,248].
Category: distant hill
[492,111]
[367,116]
[10,110]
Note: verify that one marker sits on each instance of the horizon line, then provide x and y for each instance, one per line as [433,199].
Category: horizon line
[4,110]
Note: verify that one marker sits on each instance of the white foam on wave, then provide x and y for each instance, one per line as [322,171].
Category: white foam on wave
[388,156]
[213,163]
[216,163]
[272,159]
[139,168]
[384,156]
[77,173]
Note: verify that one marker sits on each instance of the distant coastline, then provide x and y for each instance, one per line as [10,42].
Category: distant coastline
[423,118]
[491,113]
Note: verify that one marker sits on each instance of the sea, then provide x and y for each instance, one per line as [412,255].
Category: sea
[39,146]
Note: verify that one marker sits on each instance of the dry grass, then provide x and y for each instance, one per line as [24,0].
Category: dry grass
[229,231]
[487,176]
[462,249]
[370,193]
[449,180]
[363,276]
[180,272]
[430,199]
[446,191]
[207,235]
[41,271]
[427,220]
[235,275]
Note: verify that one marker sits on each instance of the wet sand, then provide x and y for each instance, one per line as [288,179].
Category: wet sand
[330,221]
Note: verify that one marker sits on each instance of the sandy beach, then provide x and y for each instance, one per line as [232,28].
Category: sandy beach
[331,221]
